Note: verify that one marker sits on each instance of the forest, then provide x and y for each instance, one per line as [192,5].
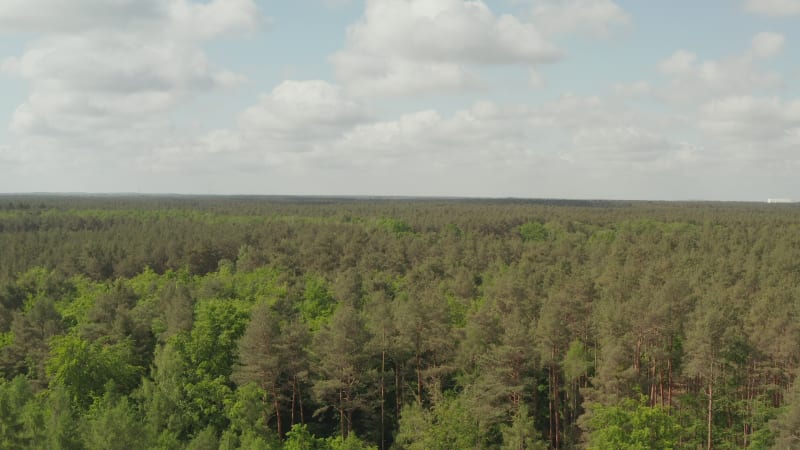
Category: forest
[246,322]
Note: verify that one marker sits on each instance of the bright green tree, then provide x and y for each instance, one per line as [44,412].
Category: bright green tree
[451,423]
[112,422]
[84,368]
[632,425]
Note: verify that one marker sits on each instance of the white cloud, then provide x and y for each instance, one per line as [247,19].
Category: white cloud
[290,125]
[536,80]
[9,66]
[407,46]
[79,82]
[679,63]
[691,80]
[74,15]
[100,71]
[759,134]
[627,144]
[775,8]
[314,126]
[366,75]
[302,111]
[729,104]
[189,18]
[767,45]
[573,130]
[752,119]
[596,132]
[214,18]
[556,17]
[634,89]
[5,155]
[336,3]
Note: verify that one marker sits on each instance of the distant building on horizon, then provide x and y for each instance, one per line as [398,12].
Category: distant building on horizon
[779,200]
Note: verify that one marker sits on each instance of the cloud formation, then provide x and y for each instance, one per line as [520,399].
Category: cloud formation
[113,85]
[597,17]
[178,18]
[302,111]
[757,130]
[774,8]
[109,69]
[692,80]
[731,105]
[403,47]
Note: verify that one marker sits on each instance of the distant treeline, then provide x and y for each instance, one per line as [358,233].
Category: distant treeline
[350,323]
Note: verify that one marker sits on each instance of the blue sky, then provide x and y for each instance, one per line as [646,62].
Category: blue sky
[524,98]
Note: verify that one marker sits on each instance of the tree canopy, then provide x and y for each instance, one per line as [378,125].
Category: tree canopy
[288,323]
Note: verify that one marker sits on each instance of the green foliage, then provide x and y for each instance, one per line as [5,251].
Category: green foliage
[344,372]
[351,442]
[577,361]
[112,422]
[245,410]
[299,438]
[533,232]
[522,433]
[211,346]
[318,302]
[604,236]
[75,310]
[395,226]
[206,439]
[6,339]
[787,424]
[61,424]
[632,424]
[85,368]
[543,315]
[451,423]
[14,396]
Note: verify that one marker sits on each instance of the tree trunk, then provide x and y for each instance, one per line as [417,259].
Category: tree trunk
[277,405]
[294,397]
[383,399]
[349,422]
[637,358]
[398,392]
[669,384]
[551,435]
[264,411]
[341,414]
[557,408]
[300,402]
[710,408]
[419,379]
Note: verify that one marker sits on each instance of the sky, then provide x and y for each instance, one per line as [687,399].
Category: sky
[585,99]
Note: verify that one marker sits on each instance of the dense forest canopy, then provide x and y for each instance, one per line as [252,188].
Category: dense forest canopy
[342,323]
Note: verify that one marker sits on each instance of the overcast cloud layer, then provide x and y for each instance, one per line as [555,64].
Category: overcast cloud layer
[525,98]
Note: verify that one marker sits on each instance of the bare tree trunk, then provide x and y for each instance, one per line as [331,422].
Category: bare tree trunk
[300,402]
[341,414]
[551,435]
[669,384]
[383,399]
[294,397]
[398,392]
[557,407]
[710,408]
[277,405]
[264,414]
[748,396]
[419,379]
[349,422]
[638,356]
